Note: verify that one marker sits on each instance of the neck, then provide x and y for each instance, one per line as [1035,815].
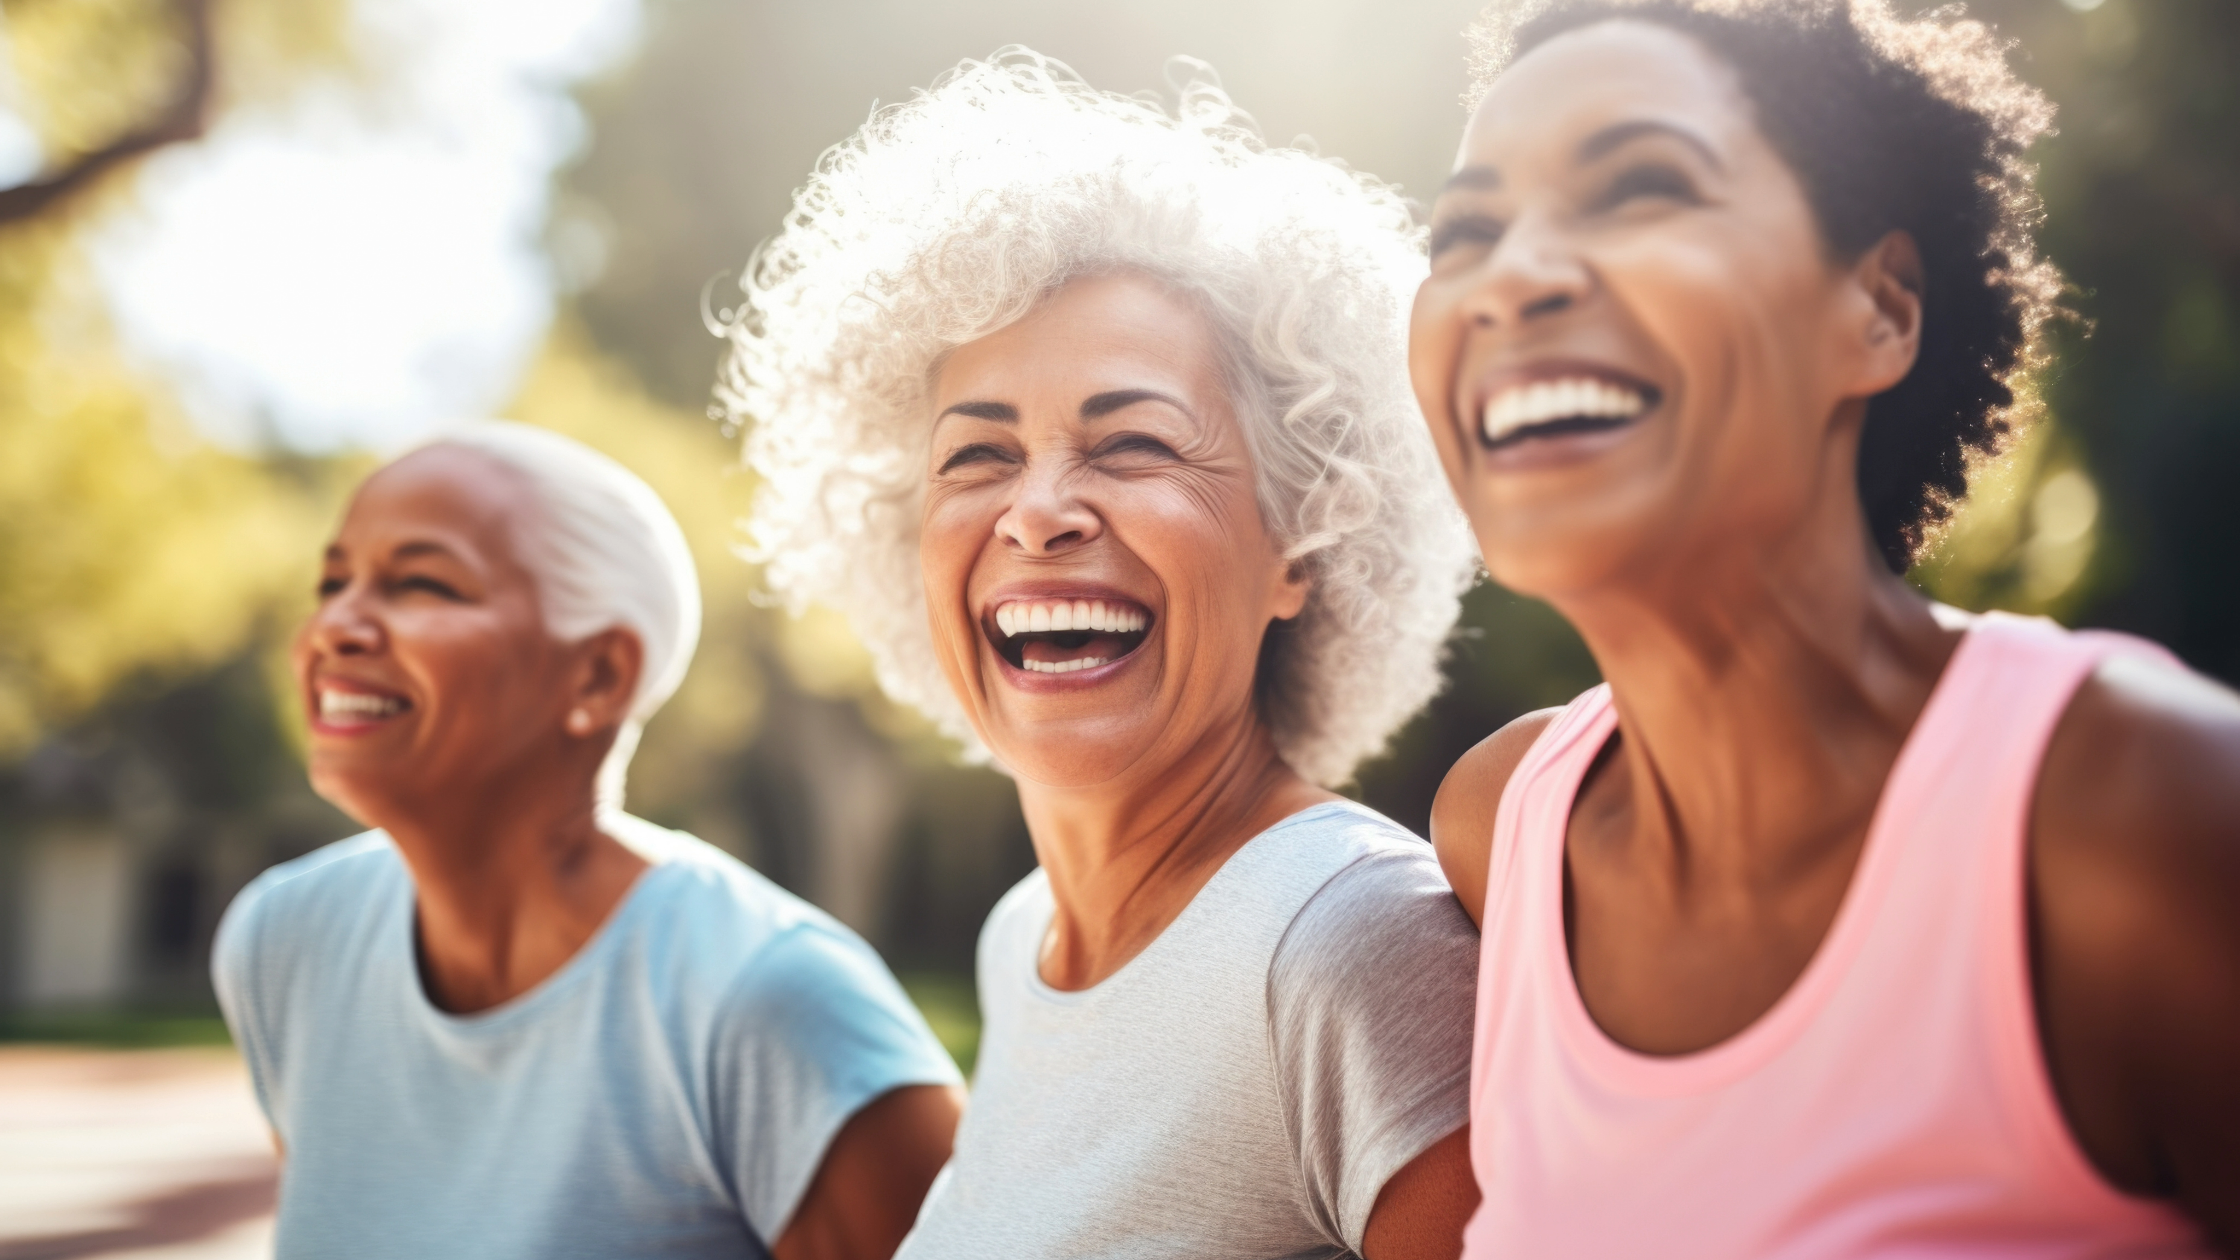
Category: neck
[1762,697]
[1123,859]
[511,878]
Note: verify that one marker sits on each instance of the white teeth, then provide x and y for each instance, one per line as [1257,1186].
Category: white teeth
[1065,667]
[353,704]
[1060,615]
[1541,401]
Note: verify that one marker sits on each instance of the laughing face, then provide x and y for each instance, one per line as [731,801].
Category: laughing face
[1634,350]
[1098,575]
[427,670]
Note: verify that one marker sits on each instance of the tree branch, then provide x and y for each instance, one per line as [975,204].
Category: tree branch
[183,120]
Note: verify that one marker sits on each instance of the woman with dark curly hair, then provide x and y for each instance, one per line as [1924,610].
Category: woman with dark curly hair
[1837,923]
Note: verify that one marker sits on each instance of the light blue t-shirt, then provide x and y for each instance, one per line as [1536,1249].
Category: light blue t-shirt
[670,1091]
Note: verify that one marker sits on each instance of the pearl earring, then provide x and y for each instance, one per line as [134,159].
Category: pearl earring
[579,722]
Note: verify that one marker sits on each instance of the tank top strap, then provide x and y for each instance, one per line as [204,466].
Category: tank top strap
[1528,833]
[1972,759]
[1953,827]
[1536,803]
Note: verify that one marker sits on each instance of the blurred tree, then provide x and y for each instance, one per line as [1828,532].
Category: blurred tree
[2143,213]
[128,547]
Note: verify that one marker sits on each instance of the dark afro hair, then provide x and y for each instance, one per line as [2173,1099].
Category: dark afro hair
[1891,125]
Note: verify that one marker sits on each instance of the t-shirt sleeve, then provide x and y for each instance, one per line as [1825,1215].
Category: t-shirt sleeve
[239,962]
[1370,1001]
[815,1028]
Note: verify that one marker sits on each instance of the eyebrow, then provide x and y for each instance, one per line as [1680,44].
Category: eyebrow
[1096,406]
[1601,143]
[413,549]
[1001,413]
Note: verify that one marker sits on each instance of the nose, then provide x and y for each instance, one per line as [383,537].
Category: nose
[1534,272]
[343,625]
[1048,517]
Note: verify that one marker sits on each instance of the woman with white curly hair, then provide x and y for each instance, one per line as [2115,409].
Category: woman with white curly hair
[1094,420]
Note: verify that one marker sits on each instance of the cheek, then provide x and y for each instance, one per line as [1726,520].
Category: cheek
[953,531]
[473,663]
[1205,542]
[1436,328]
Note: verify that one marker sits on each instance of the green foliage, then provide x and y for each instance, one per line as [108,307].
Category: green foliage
[2143,214]
[127,545]
[120,1030]
[952,1008]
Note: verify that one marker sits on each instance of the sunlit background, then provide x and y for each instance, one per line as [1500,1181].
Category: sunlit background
[402,213]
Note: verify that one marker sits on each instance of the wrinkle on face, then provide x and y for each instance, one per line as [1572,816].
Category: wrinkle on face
[1096,440]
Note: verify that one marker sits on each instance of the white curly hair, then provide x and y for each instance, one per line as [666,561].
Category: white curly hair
[953,214]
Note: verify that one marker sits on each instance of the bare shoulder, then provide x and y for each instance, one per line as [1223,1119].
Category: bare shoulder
[2144,772]
[2135,903]
[1462,813]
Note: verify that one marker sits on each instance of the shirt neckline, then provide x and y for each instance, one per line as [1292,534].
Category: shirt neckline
[526,1005]
[1045,991]
[1777,1027]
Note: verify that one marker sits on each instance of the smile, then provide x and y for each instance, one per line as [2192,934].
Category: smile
[1555,408]
[349,710]
[1066,636]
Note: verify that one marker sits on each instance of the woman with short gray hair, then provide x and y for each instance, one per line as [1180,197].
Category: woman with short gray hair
[1093,419]
[514,1021]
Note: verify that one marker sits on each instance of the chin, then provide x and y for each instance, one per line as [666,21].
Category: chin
[365,796]
[1071,758]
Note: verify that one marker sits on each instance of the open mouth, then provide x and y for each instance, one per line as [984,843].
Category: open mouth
[1065,636]
[356,710]
[1558,408]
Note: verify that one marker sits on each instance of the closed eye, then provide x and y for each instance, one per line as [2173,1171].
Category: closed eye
[1465,229]
[976,453]
[329,587]
[1134,444]
[1648,180]
[433,586]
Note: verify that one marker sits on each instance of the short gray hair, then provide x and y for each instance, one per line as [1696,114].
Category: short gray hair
[604,552]
[953,214]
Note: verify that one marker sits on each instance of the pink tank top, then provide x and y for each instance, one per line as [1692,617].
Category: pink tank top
[1892,1103]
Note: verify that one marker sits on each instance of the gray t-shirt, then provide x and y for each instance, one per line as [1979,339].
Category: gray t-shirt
[1242,1088]
[668,1092]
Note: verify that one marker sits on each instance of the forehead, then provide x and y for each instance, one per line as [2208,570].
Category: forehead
[448,494]
[1598,75]
[1096,333]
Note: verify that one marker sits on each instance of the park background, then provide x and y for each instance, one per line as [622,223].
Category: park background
[251,245]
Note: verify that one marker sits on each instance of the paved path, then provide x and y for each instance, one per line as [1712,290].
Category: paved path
[132,1155]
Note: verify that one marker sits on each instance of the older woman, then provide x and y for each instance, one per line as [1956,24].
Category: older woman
[1836,924]
[1093,419]
[514,1022]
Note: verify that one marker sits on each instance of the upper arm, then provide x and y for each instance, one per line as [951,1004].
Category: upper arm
[2135,900]
[1370,1002]
[1462,814]
[874,1176]
[1421,1212]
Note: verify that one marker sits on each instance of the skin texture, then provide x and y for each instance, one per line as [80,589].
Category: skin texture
[1615,205]
[1138,785]
[486,783]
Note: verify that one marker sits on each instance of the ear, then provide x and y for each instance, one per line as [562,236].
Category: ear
[1291,591]
[1889,279]
[604,679]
